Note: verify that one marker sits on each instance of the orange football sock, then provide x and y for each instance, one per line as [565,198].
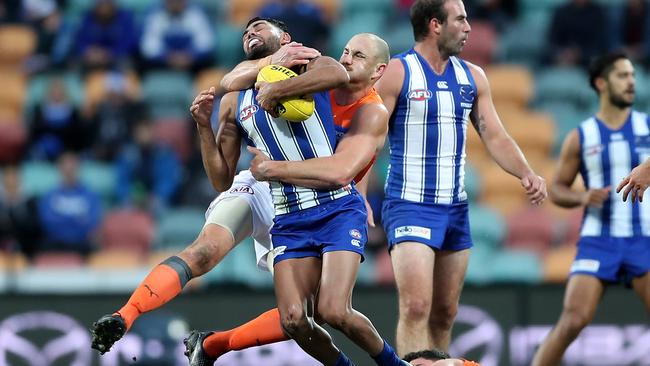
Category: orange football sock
[264,329]
[162,284]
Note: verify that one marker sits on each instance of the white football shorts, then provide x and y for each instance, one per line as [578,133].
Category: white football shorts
[234,208]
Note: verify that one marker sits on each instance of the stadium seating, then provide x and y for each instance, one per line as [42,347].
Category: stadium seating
[167,93]
[17,42]
[96,86]
[127,229]
[209,78]
[511,85]
[564,85]
[515,266]
[531,228]
[13,91]
[100,178]
[481,45]
[557,263]
[239,12]
[487,225]
[13,139]
[58,259]
[38,177]
[115,259]
[12,261]
[174,133]
[179,227]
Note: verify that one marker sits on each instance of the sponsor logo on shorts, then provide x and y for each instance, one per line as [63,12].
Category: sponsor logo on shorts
[356,243]
[418,231]
[355,234]
[585,265]
[248,112]
[242,189]
[419,94]
[278,250]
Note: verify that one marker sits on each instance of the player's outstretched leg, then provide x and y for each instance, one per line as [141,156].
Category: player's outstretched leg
[164,283]
[265,329]
[194,351]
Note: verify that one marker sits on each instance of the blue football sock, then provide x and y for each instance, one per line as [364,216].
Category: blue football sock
[388,357]
[343,360]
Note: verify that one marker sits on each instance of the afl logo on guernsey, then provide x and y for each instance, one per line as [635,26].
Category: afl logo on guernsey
[420,94]
[248,112]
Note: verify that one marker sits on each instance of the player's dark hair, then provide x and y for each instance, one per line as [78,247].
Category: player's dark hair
[278,23]
[430,354]
[422,11]
[602,65]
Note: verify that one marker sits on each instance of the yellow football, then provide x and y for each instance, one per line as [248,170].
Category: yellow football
[295,109]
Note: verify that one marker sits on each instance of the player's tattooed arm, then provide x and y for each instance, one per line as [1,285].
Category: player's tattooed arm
[478,121]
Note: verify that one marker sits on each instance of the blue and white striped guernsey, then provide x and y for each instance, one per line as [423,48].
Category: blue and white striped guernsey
[607,157]
[428,132]
[292,141]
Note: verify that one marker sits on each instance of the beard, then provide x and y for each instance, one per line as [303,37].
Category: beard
[618,100]
[268,48]
[450,47]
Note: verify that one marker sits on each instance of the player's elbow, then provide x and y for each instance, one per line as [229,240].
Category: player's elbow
[341,177]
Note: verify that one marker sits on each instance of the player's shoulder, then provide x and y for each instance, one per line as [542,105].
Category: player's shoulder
[477,72]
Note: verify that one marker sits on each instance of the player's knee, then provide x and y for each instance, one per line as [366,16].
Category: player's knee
[336,316]
[200,256]
[574,320]
[295,321]
[416,309]
[443,315]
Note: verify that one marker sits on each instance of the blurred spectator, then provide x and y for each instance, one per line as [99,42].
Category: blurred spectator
[10,11]
[630,29]
[113,117]
[148,173]
[196,189]
[106,37]
[306,21]
[177,35]
[46,20]
[56,124]
[499,13]
[70,213]
[18,214]
[577,33]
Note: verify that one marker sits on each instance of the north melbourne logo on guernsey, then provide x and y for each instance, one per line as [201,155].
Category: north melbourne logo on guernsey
[248,112]
[417,231]
[420,94]
[467,93]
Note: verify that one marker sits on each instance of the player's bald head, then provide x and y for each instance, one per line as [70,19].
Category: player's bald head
[378,47]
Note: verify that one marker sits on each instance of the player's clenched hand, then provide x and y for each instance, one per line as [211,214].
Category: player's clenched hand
[535,187]
[259,164]
[636,183]
[267,97]
[371,214]
[292,54]
[596,197]
[201,108]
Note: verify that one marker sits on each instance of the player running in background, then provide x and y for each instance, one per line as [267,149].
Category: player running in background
[432,95]
[436,357]
[613,245]
[364,57]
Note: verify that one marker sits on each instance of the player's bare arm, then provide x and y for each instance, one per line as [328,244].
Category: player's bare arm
[390,84]
[244,74]
[636,182]
[561,192]
[322,73]
[219,154]
[503,149]
[353,153]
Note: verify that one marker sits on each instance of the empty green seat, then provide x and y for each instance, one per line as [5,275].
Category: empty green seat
[179,227]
